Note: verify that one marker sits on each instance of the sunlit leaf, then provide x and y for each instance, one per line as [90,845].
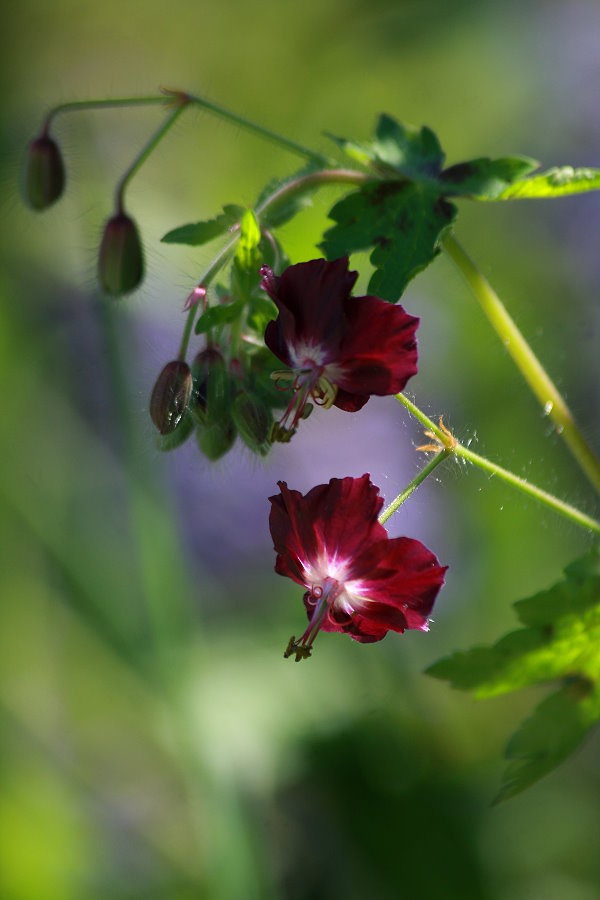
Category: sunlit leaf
[561,641]
[198,233]
[485,178]
[414,152]
[557,182]
[215,316]
[402,221]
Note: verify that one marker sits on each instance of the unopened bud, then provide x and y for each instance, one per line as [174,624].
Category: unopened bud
[44,175]
[171,396]
[211,394]
[217,438]
[174,439]
[121,258]
[253,422]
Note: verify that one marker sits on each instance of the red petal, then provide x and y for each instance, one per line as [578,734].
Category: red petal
[311,298]
[379,349]
[335,520]
[402,573]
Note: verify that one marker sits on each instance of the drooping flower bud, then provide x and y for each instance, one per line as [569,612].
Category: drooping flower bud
[44,174]
[217,437]
[174,439]
[211,393]
[253,421]
[121,258]
[171,396]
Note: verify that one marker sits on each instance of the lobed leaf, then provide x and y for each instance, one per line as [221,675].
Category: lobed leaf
[403,222]
[202,232]
[561,641]
[557,182]
[485,178]
[415,152]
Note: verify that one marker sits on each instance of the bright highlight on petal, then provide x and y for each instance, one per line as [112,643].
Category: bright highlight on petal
[357,580]
[339,349]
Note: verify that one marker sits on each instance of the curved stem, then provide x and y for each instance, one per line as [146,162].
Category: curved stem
[279,195]
[145,153]
[414,484]
[272,136]
[117,103]
[530,367]
[447,443]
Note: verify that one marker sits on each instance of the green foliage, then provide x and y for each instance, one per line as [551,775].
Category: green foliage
[557,182]
[403,221]
[486,179]
[560,640]
[217,316]
[198,233]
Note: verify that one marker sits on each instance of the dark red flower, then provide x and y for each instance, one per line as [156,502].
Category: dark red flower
[357,579]
[340,349]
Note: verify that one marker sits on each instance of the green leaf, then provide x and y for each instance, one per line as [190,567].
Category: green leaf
[201,232]
[261,311]
[557,182]
[279,212]
[555,730]
[560,642]
[415,152]
[403,222]
[216,316]
[485,178]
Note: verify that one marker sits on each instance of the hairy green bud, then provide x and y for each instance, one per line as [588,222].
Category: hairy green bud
[44,175]
[121,258]
[253,421]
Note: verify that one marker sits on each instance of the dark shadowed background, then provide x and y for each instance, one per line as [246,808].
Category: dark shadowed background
[153,742]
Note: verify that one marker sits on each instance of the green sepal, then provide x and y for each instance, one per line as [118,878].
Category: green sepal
[179,436]
[403,221]
[253,421]
[215,439]
[197,233]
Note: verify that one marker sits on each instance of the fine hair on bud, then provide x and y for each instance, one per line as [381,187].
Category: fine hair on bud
[121,257]
[44,173]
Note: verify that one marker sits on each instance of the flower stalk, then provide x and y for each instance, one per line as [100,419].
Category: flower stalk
[414,484]
[452,446]
[528,364]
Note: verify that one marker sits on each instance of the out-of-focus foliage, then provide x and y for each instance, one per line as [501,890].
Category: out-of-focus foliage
[153,741]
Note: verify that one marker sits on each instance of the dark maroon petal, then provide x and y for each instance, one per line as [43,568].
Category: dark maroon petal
[311,299]
[349,402]
[358,627]
[403,573]
[344,516]
[379,348]
[337,520]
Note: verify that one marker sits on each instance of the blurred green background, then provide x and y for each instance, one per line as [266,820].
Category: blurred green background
[153,741]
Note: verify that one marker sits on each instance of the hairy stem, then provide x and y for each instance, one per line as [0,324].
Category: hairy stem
[530,367]
[449,444]
[414,484]
[144,154]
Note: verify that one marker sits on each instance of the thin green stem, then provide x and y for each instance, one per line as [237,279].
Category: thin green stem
[414,484]
[452,446]
[530,367]
[145,153]
[117,103]
[272,136]
[280,195]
